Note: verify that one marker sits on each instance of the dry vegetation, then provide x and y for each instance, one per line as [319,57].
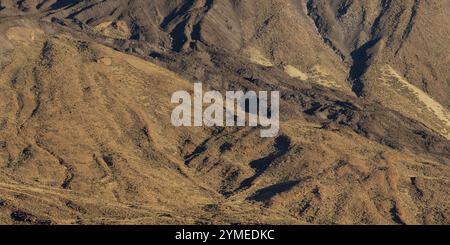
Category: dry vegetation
[85,132]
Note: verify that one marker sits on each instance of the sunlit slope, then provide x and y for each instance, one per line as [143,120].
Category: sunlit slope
[83,123]
[85,137]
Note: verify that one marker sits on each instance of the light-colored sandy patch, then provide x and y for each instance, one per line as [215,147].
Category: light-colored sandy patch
[117,29]
[122,26]
[432,105]
[295,73]
[320,75]
[257,57]
[103,25]
[24,34]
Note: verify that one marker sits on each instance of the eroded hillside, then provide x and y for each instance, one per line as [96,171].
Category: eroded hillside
[85,132]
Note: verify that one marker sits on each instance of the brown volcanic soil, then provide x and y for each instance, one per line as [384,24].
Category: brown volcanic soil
[85,132]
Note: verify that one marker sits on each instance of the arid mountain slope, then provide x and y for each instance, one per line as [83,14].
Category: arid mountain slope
[412,36]
[85,132]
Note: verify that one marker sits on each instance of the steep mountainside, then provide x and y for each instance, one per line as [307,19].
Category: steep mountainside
[85,132]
